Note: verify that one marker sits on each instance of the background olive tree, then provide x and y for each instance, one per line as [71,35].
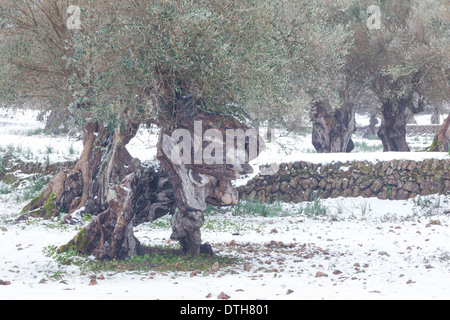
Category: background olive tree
[404,64]
[393,70]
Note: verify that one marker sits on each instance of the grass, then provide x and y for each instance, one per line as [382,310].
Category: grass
[2,163]
[4,188]
[373,138]
[158,259]
[427,202]
[225,225]
[365,207]
[248,208]
[12,151]
[163,259]
[37,183]
[256,208]
[49,149]
[71,150]
[314,208]
[366,147]
[34,132]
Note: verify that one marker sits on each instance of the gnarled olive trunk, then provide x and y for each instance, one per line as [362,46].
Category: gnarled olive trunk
[110,234]
[197,181]
[394,118]
[332,130]
[104,161]
[143,194]
[392,130]
[109,184]
[141,197]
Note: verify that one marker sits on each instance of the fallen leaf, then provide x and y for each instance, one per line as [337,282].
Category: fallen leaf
[321,274]
[195,272]
[383,253]
[223,296]
[5,283]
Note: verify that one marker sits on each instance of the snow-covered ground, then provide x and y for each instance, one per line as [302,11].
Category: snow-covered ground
[360,249]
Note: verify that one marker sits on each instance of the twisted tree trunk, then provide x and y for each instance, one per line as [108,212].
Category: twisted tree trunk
[84,188]
[109,183]
[332,130]
[110,234]
[196,179]
[191,186]
[141,197]
[392,131]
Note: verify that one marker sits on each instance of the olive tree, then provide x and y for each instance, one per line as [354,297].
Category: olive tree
[136,62]
[404,63]
[319,37]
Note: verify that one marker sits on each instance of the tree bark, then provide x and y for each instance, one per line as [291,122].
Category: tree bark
[141,197]
[392,130]
[154,196]
[84,188]
[332,130]
[110,234]
[56,123]
[371,128]
[441,141]
[394,114]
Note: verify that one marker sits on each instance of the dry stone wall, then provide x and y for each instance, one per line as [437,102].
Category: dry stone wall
[394,180]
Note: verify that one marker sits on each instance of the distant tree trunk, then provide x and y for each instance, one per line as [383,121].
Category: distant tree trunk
[436,117]
[332,130]
[392,130]
[104,162]
[394,113]
[441,141]
[269,131]
[372,125]
[56,122]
